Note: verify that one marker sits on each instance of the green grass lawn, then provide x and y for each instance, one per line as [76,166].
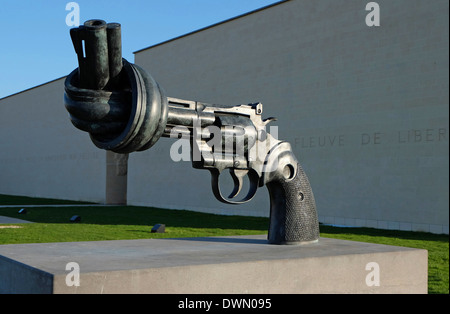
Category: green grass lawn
[121,223]
[130,222]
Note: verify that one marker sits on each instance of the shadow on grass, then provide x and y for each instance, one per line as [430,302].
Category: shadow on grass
[24,200]
[139,216]
[370,232]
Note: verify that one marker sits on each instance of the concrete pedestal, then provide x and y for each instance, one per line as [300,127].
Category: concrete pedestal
[227,265]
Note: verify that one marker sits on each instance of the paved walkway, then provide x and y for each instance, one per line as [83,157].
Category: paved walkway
[9,220]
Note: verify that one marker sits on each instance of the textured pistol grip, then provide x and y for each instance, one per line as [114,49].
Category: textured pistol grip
[293,215]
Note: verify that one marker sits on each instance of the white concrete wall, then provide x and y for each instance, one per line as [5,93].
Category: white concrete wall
[366,109]
[42,154]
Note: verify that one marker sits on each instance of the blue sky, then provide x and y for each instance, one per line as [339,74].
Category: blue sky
[35,45]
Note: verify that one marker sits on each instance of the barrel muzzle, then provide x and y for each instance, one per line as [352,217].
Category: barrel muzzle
[119,104]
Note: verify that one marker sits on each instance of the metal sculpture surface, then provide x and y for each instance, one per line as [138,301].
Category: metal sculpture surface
[125,110]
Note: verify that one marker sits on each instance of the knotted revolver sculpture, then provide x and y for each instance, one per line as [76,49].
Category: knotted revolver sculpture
[125,110]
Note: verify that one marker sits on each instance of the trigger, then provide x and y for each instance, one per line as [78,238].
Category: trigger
[238,179]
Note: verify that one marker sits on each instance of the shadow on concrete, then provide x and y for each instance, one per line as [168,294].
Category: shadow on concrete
[247,240]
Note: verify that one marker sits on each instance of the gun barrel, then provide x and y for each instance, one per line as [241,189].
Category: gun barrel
[188,119]
[114,32]
[187,114]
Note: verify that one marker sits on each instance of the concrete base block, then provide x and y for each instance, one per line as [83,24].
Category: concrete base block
[225,265]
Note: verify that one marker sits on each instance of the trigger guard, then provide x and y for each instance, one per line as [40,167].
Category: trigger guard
[253,177]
